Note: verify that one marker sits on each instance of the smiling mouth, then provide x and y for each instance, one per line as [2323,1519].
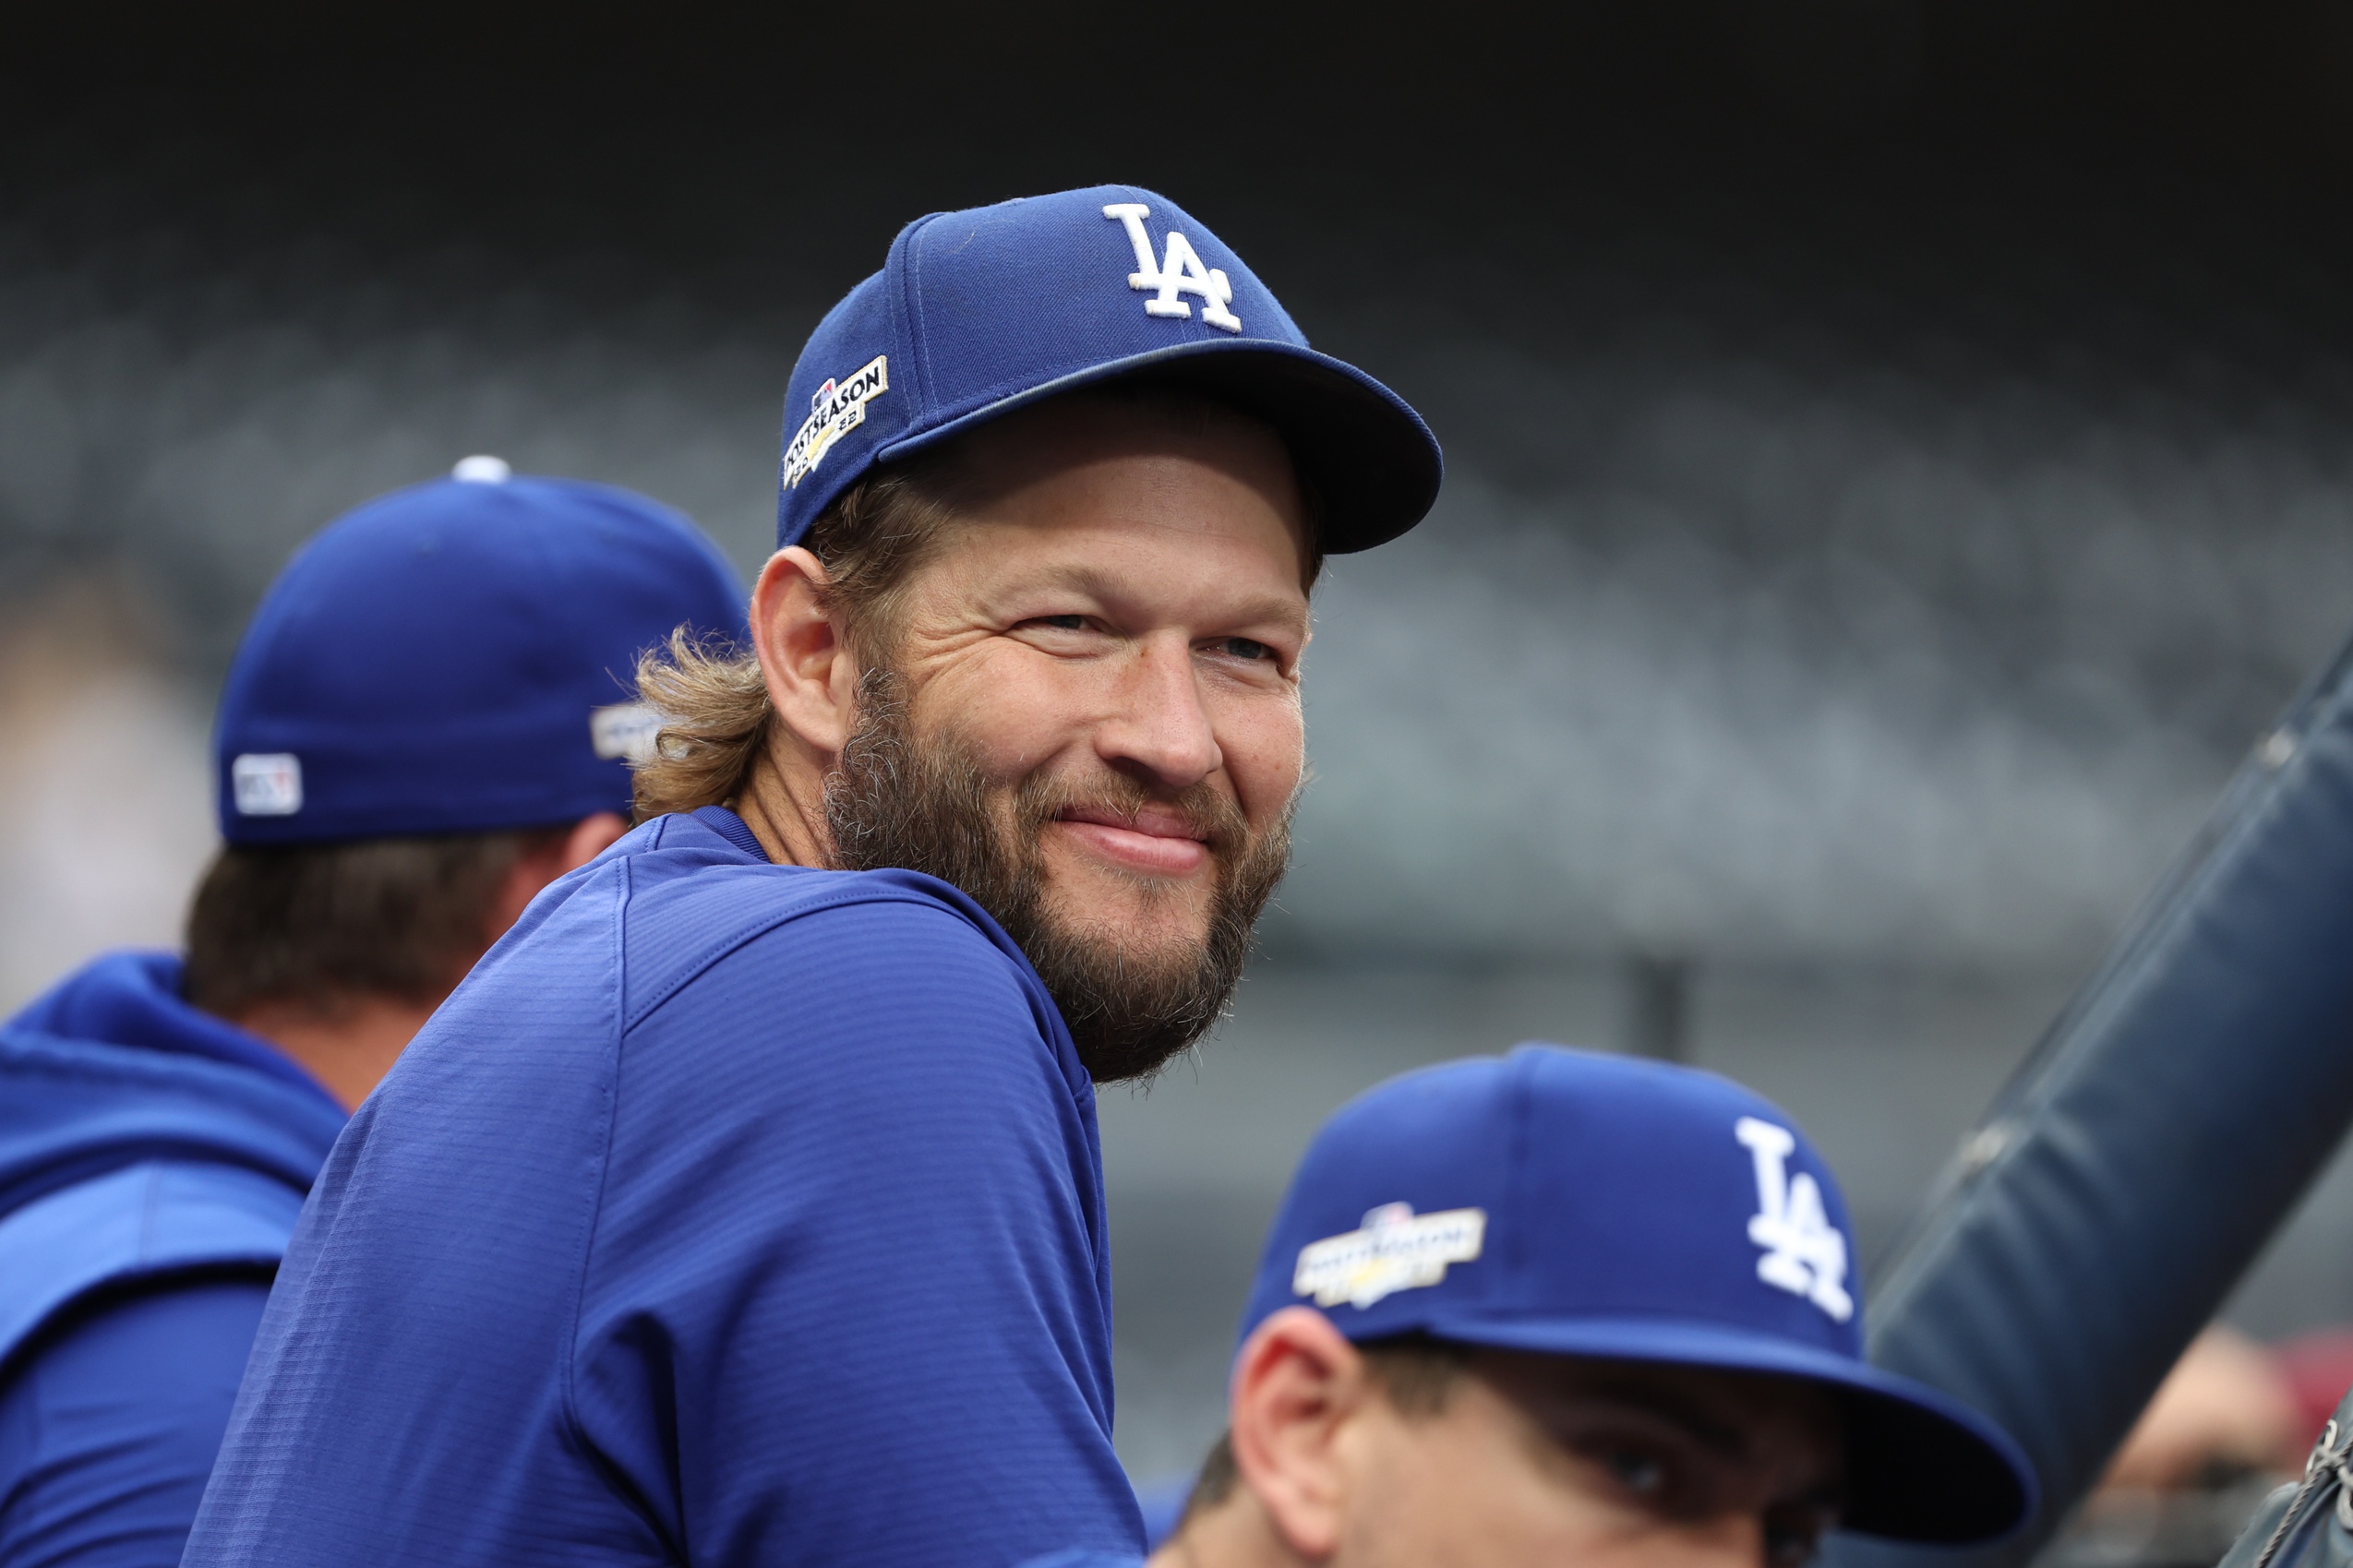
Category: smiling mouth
[1157,842]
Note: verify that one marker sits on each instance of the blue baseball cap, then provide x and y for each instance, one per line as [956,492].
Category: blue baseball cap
[979,313]
[1575,1203]
[460,657]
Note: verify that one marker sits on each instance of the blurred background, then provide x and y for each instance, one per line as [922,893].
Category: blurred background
[1900,459]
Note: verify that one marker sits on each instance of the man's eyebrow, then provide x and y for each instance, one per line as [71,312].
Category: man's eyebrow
[1093,581]
[1673,1408]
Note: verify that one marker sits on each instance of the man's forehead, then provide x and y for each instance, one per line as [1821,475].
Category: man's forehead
[1217,550]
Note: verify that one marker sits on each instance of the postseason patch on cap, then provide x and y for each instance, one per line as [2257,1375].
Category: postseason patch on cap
[1397,1250]
[266,784]
[836,408]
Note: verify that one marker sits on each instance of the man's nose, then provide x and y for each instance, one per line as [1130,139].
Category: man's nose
[1159,730]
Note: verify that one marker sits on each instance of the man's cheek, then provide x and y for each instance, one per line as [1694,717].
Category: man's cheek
[1267,762]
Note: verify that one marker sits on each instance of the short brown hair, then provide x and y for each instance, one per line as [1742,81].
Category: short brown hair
[870,539]
[1414,1371]
[319,925]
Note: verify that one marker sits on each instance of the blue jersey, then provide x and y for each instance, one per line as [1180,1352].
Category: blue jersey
[727,1214]
[153,1160]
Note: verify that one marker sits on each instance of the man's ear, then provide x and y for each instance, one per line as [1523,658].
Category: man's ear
[811,680]
[1297,1385]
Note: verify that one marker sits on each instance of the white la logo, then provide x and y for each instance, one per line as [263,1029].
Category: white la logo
[1805,1254]
[1178,273]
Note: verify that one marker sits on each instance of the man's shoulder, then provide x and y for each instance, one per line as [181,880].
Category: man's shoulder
[679,910]
[687,904]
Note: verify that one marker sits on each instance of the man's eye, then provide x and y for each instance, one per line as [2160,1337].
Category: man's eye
[1244,648]
[1640,1473]
[1061,623]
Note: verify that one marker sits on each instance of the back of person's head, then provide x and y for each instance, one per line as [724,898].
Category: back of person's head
[434,696]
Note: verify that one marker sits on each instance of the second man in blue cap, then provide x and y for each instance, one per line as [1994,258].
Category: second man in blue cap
[427,723]
[1566,1308]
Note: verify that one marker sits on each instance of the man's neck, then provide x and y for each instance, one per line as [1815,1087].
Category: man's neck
[347,1046]
[784,804]
[1235,1533]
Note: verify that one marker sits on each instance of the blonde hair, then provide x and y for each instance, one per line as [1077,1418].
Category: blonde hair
[713,699]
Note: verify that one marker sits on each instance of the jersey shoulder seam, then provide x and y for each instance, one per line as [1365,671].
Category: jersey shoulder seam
[576,1428]
[760,926]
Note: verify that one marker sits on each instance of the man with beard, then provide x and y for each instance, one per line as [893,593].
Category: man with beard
[745,1205]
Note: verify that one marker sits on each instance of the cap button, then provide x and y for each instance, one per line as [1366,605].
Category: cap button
[481,470]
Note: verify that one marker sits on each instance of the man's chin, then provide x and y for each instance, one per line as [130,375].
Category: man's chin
[1159,926]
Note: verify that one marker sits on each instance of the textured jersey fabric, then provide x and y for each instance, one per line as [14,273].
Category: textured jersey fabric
[728,1214]
[134,1116]
[108,1431]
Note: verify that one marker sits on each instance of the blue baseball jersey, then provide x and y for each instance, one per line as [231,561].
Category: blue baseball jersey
[728,1214]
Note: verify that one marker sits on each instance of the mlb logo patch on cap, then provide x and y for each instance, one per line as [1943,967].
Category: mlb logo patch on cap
[624,730]
[267,784]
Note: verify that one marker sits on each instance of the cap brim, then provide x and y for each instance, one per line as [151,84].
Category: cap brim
[1920,1466]
[1373,463]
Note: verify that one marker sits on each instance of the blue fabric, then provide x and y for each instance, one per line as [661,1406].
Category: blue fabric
[1624,1208]
[2176,1114]
[728,1214]
[979,312]
[1086,1560]
[109,1431]
[145,1221]
[132,998]
[144,1146]
[436,662]
[112,1069]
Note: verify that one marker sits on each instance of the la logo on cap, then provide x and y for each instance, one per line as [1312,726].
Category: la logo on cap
[1805,1254]
[1179,271]
[266,784]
